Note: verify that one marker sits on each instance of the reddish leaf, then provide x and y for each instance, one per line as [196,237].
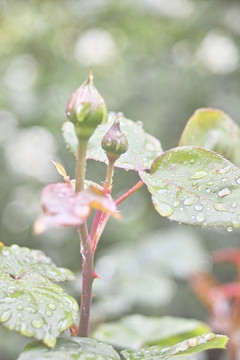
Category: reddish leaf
[62,206]
[227,255]
[206,288]
[230,290]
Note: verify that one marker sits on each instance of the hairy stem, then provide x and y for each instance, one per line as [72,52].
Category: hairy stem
[86,250]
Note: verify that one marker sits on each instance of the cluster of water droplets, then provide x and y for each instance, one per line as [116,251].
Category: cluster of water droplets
[30,303]
[203,190]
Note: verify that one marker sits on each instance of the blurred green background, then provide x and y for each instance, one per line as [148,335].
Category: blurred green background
[156,61]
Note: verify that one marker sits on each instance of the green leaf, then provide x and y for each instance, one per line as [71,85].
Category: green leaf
[30,303]
[16,261]
[195,186]
[214,130]
[136,331]
[143,148]
[190,346]
[71,349]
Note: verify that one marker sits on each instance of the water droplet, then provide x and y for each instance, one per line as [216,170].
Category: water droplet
[222,207]
[192,161]
[224,170]
[209,183]
[229,229]
[238,181]
[51,306]
[5,316]
[234,204]
[37,324]
[176,204]
[164,209]
[224,192]
[199,175]
[149,147]
[192,342]
[49,313]
[31,310]
[19,307]
[198,207]
[188,201]
[26,333]
[224,179]
[62,325]
[200,217]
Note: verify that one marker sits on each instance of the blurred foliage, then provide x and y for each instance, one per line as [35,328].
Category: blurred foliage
[155,60]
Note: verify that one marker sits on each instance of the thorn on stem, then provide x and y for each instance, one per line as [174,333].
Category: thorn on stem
[74,330]
[95,276]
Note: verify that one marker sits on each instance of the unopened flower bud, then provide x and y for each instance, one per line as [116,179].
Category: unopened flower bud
[86,109]
[114,142]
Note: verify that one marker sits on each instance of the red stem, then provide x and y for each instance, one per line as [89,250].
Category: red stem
[87,280]
[129,192]
[103,219]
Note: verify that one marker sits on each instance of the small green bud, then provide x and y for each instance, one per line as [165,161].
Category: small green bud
[114,142]
[86,109]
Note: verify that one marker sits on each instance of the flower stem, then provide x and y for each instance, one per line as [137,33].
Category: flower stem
[86,249]
[81,165]
[87,280]
[109,176]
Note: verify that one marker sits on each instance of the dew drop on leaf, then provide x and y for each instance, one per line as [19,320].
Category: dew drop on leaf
[224,170]
[198,207]
[200,217]
[149,147]
[51,306]
[188,201]
[164,209]
[199,175]
[221,207]
[37,324]
[224,192]
[5,316]
[192,342]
